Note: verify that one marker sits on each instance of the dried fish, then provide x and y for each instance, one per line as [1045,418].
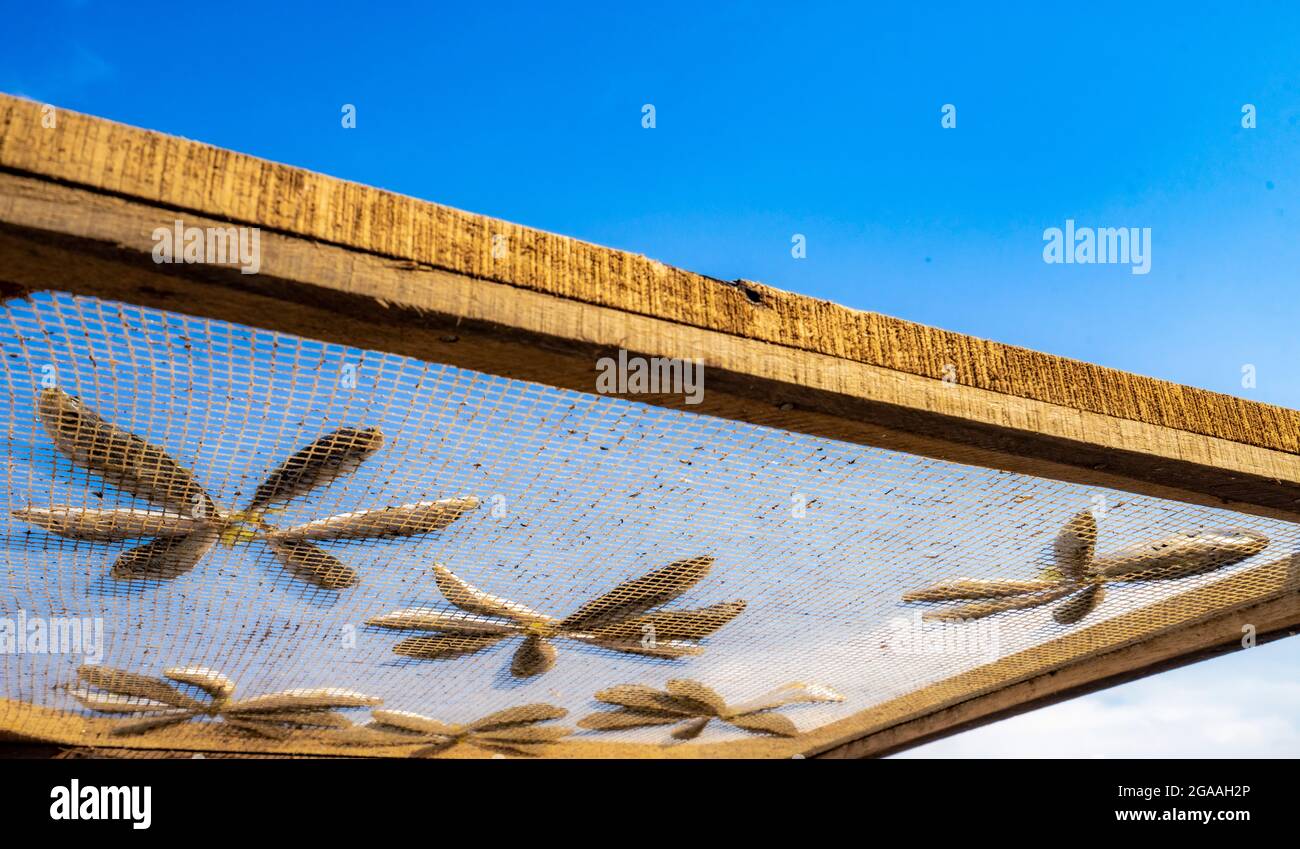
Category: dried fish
[989,608]
[665,649]
[310,699]
[533,657]
[165,558]
[212,682]
[436,746]
[468,597]
[702,699]
[517,750]
[691,705]
[1078,574]
[414,722]
[971,588]
[1181,555]
[150,723]
[515,731]
[622,620]
[522,715]
[788,694]
[260,729]
[191,522]
[642,698]
[766,723]
[328,458]
[125,683]
[691,729]
[445,645]
[406,520]
[1080,604]
[304,719]
[672,624]
[430,619]
[109,703]
[1074,547]
[532,734]
[124,523]
[637,596]
[313,564]
[119,456]
[276,715]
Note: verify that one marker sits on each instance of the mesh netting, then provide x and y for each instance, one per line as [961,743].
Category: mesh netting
[689,570]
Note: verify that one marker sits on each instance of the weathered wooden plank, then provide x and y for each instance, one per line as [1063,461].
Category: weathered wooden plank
[54,233]
[184,175]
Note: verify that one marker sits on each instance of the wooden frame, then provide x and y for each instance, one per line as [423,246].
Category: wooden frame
[80,200]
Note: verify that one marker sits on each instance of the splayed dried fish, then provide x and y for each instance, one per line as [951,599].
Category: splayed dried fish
[191,522]
[1079,576]
[622,620]
[690,706]
[513,731]
[157,703]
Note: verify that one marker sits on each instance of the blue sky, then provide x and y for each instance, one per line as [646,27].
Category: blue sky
[819,120]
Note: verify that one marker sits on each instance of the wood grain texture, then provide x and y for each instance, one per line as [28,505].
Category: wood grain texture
[185,175]
[77,240]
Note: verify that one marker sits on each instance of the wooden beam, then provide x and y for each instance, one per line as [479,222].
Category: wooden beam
[178,174]
[90,243]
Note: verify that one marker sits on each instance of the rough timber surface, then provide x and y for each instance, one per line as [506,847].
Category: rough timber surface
[185,175]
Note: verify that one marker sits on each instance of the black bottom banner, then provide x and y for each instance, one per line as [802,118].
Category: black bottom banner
[328,798]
